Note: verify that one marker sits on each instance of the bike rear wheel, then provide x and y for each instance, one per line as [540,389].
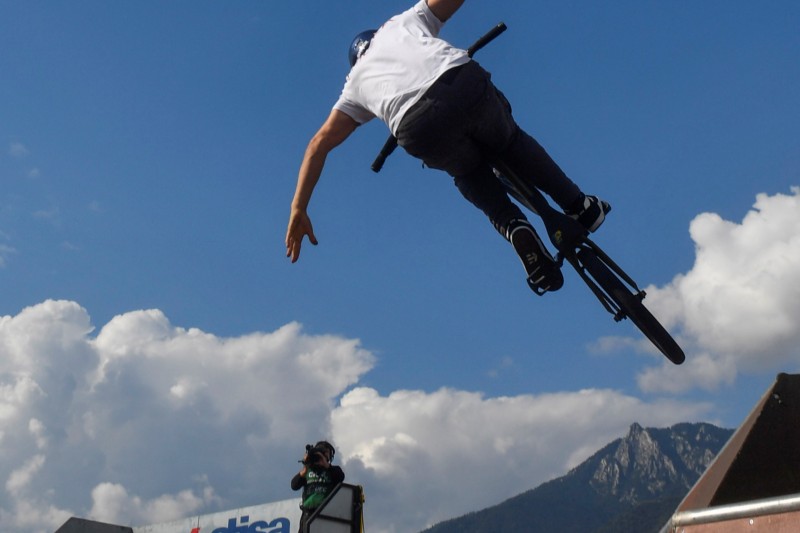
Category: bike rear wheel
[630,305]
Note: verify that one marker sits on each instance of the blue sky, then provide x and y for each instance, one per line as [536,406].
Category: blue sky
[148,155]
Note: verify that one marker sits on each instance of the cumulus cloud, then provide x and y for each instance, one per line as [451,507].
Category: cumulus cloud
[113,504]
[738,308]
[147,422]
[424,457]
[20,477]
[143,422]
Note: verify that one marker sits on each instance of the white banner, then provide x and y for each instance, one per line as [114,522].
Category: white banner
[278,517]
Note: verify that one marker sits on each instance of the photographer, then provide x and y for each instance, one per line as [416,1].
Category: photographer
[317,478]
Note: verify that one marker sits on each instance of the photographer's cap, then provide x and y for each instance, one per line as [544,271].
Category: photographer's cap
[328,446]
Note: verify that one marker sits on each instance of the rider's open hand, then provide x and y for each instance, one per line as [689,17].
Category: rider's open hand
[299,226]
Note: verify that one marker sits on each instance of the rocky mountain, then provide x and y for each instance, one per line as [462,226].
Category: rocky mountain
[631,485]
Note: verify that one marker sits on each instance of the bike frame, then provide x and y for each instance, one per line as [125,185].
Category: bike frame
[568,236]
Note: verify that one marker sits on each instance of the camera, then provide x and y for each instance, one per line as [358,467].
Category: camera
[313,455]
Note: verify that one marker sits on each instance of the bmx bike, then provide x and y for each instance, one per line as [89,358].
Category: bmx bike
[615,289]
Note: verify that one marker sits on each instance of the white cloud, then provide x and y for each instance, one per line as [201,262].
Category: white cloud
[146,422]
[702,370]
[112,504]
[17,149]
[21,477]
[424,457]
[5,251]
[504,364]
[738,308]
[86,422]
[51,215]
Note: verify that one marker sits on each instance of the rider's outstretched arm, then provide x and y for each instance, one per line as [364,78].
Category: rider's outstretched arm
[333,132]
[444,9]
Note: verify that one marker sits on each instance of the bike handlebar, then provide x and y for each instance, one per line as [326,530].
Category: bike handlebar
[391,143]
[487,38]
[386,151]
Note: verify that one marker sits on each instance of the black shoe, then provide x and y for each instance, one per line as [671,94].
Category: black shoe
[544,274]
[590,211]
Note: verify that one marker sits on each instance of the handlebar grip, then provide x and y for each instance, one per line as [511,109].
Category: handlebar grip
[487,38]
[386,151]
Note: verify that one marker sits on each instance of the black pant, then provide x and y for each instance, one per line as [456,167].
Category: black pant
[461,125]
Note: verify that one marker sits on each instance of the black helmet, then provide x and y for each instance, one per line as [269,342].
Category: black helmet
[327,445]
[359,46]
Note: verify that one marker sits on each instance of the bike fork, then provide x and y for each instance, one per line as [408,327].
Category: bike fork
[599,293]
[588,247]
[615,268]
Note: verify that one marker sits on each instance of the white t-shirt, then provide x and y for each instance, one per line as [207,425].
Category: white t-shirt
[403,60]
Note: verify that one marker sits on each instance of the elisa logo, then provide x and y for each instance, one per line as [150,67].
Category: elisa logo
[279,525]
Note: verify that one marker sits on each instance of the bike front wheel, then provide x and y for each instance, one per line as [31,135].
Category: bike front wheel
[630,305]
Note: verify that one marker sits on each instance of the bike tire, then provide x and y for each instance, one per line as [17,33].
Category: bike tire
[631,305]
